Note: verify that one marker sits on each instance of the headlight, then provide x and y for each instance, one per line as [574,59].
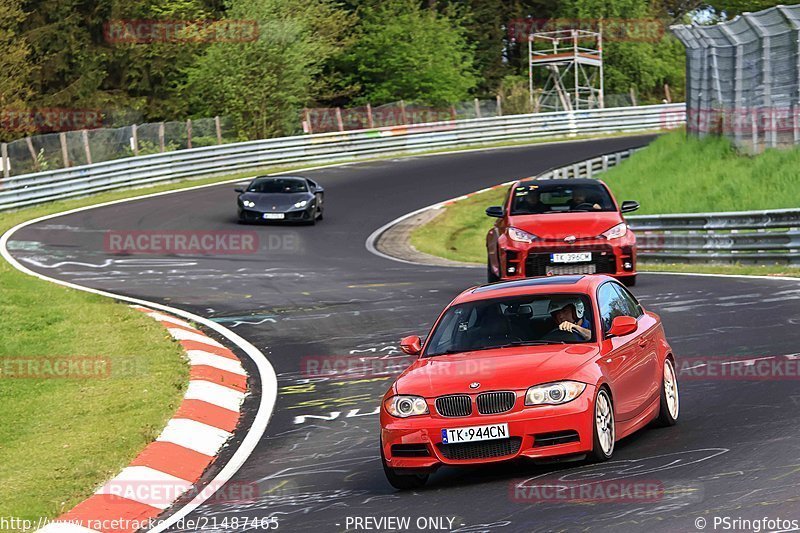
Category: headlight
[516,234]
[301,203]
[405,406]
[248,203]
[554,393]
[620,230]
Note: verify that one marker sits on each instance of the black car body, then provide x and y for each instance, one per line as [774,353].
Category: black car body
[281,199]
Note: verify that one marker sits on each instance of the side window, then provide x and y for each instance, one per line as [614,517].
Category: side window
[611,305]
[632,307]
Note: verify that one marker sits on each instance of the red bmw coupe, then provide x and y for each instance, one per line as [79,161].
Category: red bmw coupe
[538,368]
[561,226]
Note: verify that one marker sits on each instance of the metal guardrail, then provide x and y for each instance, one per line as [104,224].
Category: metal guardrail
[754,237]
[31,189]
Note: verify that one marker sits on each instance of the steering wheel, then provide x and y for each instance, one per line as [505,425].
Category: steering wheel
[585,205]
[559,335]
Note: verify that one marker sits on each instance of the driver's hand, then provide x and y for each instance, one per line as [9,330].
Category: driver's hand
[596,207]
[566,326]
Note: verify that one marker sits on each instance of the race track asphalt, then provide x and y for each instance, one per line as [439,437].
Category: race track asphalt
[315,294]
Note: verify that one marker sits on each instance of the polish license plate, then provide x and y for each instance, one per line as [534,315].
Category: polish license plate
[274,216]
[572,257]
[475,433]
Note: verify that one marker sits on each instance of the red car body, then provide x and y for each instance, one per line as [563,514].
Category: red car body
[628,362]
[561,233]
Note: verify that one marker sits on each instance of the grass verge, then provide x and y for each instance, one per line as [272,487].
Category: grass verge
[674,174]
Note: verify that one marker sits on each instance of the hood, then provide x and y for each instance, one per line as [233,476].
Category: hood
[560,225]
[501,369]
[281,201]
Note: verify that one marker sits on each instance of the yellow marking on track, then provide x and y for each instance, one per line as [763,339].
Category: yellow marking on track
[279,485]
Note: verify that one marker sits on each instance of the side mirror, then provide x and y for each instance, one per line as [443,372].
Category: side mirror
[621,326]
[628,206]
[238,189]
[495,211]
[411,345]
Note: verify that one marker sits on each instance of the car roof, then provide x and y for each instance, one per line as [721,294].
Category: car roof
[561,181]
[264,178]
[583,284]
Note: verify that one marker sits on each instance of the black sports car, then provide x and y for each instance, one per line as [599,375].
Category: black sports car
[281,198]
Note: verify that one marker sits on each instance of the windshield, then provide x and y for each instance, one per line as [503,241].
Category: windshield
[512,321]
[278,185]
[541,197]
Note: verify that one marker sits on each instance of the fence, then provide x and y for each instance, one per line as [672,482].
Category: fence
[76,148]
[755,237]
[31,189]
[330,119]
[743,78]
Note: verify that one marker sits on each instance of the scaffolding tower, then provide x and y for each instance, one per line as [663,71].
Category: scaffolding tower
[574,62]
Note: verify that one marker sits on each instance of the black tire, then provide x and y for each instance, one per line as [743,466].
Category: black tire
[402,481]
[490,275]
[599,452]
[629,281]
[319,215]
[665,416]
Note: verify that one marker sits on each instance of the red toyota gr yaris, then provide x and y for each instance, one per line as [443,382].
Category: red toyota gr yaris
[561,226]
[536,368]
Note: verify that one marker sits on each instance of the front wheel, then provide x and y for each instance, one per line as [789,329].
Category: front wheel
[402,481]
[490,275]
[604,430]
[670,400]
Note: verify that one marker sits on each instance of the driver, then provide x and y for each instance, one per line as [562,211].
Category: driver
[568,314]
[581,198]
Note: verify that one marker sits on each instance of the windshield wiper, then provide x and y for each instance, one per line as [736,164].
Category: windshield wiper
[530,343]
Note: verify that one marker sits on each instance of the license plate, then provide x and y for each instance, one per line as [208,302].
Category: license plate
[274,216]
[572,257]
[475,433]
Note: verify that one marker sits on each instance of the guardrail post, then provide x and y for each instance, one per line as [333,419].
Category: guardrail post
[62,139]
[589,168]
[307,113]
[499,106]
[188,133]
[32,151]
[161,136]
[86,149]
[218,127]
[6,161]
[477,108]
[370,120]
[605,163]
[135,140]
[453,114]
[339,122]
[403,112]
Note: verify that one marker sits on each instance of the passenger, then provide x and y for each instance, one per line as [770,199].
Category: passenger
[568,315]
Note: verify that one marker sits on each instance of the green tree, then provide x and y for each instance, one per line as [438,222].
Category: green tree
[644,61]
[14,50]
[262,84]
[404,51]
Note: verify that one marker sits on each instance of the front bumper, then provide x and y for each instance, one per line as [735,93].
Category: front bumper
[524,260]
[293,215]
[540,432]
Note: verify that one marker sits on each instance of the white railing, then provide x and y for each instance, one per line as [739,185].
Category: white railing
[31,189]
